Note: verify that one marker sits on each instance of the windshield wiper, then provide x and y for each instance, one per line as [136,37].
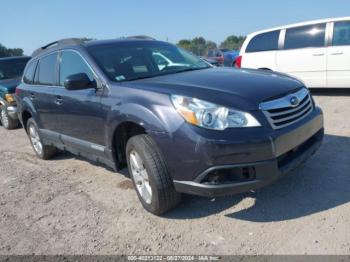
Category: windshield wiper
[190,69]
[140,77]
[167,73]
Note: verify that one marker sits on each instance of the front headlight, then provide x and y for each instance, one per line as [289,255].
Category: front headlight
[9,98]
[211,116]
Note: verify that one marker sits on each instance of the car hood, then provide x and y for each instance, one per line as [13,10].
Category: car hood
[242,89]
[9,85]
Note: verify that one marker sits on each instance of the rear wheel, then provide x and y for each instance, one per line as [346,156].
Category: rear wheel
[41,150]
[6,121]
[150,176]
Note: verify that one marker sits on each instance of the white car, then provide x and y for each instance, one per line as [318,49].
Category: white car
[316,52]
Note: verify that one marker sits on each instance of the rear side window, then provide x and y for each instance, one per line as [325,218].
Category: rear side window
[46,72]
[71,64]
[264,42]
[306,36]
[28,77]
[341,33]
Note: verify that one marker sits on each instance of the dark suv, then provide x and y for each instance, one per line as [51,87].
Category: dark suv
[181,128]
[11,70]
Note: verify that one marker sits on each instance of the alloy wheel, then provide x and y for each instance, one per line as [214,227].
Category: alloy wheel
[140,176]
[35,139]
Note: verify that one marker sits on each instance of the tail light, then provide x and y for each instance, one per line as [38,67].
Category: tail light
[221,59]
[17,91]
[238,63]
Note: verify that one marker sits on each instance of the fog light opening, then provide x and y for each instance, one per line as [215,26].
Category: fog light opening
[230,175]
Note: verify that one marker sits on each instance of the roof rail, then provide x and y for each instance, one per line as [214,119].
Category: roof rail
[145,37]
[62,42]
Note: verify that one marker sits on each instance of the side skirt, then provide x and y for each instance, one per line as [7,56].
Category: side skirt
[93,152]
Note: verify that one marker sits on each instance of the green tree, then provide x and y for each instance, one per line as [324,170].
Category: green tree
[198,45]
[185,44]
[4,52]
[210,45]
[233,42]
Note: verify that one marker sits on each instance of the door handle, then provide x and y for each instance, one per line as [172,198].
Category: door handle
[337,53]
[318,54]
[58,100]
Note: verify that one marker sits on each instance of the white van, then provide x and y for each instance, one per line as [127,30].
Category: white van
[316,52]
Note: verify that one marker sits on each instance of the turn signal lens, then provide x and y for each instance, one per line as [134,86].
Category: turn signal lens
[9,98]
[189,116]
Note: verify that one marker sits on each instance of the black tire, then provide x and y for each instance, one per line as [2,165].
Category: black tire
[164,197]
[47,152]
[6,121]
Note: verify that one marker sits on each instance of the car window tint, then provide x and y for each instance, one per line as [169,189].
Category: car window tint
[341,33]
[72,63]
[305,36]
[28,77]
[264,42]
[47,70]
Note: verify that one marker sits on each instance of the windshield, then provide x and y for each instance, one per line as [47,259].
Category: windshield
[12,68]
[127,61]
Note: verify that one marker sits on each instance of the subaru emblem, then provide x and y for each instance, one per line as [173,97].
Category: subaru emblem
[294,101]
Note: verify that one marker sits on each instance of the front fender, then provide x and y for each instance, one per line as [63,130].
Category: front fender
[157,118]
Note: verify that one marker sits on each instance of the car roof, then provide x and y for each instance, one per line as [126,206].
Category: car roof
[318,21]
[77,42]
[116,41]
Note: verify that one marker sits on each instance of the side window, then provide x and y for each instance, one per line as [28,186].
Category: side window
[306,36]
[46,72]
[28,77]
[72,63]
[264,42]
[341,33]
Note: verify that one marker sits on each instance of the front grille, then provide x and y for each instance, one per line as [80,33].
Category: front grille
[289,109]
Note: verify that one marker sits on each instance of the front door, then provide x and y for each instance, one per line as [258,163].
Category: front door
[79,115]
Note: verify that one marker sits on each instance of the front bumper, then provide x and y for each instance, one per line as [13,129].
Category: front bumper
[12,112]
[266,172]
[10,108]
[266,154]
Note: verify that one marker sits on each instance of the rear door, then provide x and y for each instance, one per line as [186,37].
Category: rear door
[304,54]
[338,69]
[42,92]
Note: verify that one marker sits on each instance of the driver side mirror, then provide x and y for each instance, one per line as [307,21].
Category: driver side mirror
[78,82]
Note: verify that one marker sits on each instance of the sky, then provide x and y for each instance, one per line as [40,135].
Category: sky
[30,24]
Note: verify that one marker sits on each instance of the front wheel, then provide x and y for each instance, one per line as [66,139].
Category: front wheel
[6,121]
[150,176]
[41,150]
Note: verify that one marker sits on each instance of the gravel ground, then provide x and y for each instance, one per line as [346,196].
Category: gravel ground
[70,206]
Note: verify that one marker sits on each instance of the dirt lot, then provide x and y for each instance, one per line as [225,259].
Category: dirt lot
[70,206]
